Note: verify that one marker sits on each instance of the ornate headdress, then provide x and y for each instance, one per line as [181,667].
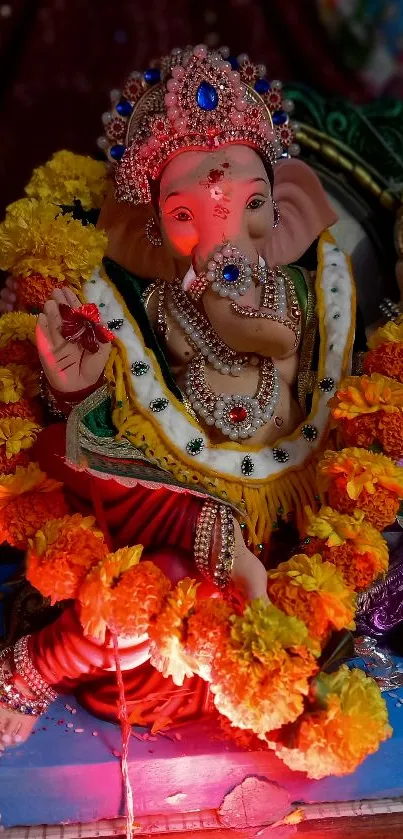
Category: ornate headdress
[192,100]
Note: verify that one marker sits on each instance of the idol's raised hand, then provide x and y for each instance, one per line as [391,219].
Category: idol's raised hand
[73,356]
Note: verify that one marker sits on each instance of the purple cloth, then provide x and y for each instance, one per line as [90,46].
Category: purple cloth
[380,609]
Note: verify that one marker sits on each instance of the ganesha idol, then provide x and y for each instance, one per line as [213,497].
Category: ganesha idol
[193,370]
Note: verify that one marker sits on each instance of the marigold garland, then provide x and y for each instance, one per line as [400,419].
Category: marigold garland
[357,478]
[386,359]
[351,725]
[25,409]
[110,590]
[28,499]
[37,239]
[167,634]
[261,676]
[353,545]
[68,177]
[314,591]
[19,352]
[62,553]
[358,395]
[34,291]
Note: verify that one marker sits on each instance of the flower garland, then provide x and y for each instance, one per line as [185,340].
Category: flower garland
[28,499]
[67,178]
[353,545]
[39,242]
[346,722]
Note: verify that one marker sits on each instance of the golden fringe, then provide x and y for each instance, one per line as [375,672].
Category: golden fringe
[260,504]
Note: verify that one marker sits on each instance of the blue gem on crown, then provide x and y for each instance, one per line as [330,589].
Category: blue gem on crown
[152,75]
[230,273]
[206,96]
[124,108]
[117,151]
[262,86]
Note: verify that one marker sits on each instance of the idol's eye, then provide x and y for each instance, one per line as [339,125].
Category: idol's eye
[182,214]
[255,203]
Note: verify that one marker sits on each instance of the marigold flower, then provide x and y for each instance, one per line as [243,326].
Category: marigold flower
[17,326]
[353,545]
[17,380]
[37,239]
[34,291]
[28,409]
[261,676]
[61,554]
[357,470]
[336,738]
[123,594]
[359,395]
[208,628]
[390,434]
[390,332]
[386,359]
[19,352]
[360,431]
[167,634]
[17,434]
[69,177]
[315,592]
[28,499]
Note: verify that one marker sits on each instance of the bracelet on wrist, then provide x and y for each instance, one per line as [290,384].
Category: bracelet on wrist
[218,569]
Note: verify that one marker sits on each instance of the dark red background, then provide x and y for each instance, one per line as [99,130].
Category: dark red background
[59,59]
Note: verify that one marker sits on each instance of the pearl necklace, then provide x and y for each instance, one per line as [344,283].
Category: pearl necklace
[237,416]
[201,334]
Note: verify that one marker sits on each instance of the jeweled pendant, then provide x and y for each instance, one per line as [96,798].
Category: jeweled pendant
[207,97]
[230,273]
[238,414]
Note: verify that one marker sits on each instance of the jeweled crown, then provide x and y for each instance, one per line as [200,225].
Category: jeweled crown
[192,100]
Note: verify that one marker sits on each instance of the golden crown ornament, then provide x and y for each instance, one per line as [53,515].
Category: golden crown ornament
[193,100]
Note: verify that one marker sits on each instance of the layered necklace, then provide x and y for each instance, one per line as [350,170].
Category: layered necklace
[237,416]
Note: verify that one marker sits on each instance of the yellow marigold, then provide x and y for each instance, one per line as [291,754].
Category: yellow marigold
[68,177]
[167,634]
[61,554]
[336,738]
[208,628]
[123,594]
[359,395]
[336,529]
[17,326]
[390,332]
[17,380]
[35,238]
[261,675]
[360,470]
[17,434]
[28,499]
[315,592]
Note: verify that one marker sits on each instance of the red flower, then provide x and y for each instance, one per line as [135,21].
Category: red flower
[83,326]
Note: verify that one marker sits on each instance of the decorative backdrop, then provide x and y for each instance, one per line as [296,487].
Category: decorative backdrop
[59,59]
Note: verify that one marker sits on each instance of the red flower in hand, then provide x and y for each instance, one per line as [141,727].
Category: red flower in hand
[83,326]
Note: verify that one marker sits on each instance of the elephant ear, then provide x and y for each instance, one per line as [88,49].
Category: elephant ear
[128,244]
[304,212]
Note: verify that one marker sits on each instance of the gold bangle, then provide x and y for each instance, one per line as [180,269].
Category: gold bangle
[204,535]
[225,561]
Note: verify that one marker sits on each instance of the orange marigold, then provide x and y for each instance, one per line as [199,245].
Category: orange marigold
[61,554]
[380,508]
[19,352]
[34,291]
[386,359]
[360,431]
[208,628]
[168,634]
[123,594]
[261,676]
[390,433]
[22,517]
[8,465]
[30,409]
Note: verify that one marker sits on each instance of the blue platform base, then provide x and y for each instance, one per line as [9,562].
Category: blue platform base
[68,773]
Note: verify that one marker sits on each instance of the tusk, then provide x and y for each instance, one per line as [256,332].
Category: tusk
[262,263]
[189,279]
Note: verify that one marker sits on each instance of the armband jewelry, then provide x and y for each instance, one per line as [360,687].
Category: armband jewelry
[48,398]
[204,535]
[25,668]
